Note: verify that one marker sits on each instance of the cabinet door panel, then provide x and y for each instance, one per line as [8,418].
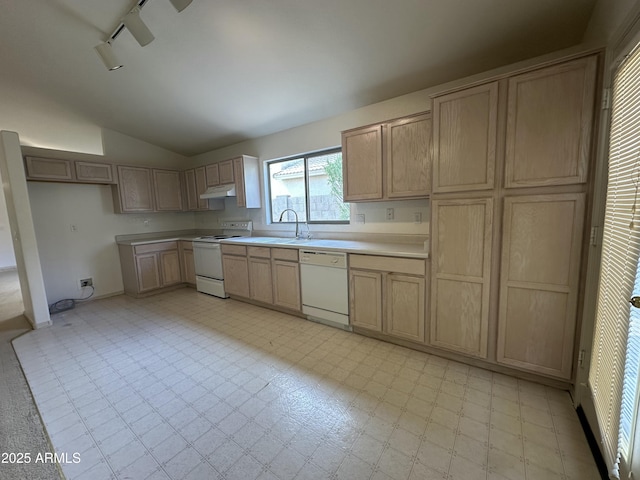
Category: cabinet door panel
[168,190]
[534,335]
[405,307]
[461,271]
[238,174]
[286,281]
[225,170]
[148,272]
[188,267]
[213,175]
[549,123]
[94,172]
[134,185]
[539,282]
[365,299]
[201,187]
[170,268]
[48,169]
[260,286]
[458,315]
[190,187]
[464,139]
[362,164]
[236,275]
[408,157]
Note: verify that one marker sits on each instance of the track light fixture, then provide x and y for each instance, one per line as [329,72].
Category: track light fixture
[180,5]
[137,27]
[107,56]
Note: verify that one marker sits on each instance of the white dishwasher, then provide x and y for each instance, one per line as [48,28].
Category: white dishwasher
[325,289]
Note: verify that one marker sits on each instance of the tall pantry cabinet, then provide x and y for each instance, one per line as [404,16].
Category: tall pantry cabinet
[510,178]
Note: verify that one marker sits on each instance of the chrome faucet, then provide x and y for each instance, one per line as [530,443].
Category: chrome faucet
[294,212]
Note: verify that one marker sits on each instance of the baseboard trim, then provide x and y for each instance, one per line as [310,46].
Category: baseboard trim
[593,444]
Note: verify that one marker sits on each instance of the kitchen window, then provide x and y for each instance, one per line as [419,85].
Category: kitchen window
[310,184]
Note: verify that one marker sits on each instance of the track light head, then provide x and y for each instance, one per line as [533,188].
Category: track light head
[137,27]
[107,56]
[180,5]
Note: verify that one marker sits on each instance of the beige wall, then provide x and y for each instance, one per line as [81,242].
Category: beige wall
[90,250]
[607,17]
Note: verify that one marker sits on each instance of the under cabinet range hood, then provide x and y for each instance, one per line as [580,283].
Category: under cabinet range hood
[220,191]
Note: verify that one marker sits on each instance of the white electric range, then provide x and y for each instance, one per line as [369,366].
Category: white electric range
[208,257]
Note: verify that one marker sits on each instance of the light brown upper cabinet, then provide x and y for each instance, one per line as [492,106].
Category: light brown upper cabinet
[225,172]
[247,180]
[48,169]
[549,123]
[464,139]
[68,171]
[92,172]
[195,185]
[388,161]
[362,164]
[213,175]
[462,232]
[168,190]
[408,157]
[134,192]
[539,282]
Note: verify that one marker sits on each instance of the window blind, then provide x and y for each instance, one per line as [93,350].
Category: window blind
[620,253]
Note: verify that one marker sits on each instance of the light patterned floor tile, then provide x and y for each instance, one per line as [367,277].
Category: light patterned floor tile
[187,386]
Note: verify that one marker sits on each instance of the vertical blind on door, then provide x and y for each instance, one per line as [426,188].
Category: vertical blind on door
[620,252]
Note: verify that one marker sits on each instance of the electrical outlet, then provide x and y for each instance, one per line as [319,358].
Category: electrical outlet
[86,282]
[417,217]
[359,218]
[389,213]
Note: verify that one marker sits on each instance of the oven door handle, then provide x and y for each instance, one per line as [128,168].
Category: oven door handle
[209,245]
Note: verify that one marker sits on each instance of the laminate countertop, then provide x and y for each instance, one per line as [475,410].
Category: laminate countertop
[410,250]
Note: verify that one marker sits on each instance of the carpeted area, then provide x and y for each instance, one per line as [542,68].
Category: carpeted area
[21,429]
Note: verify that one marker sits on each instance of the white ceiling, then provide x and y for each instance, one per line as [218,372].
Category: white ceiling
[223,71]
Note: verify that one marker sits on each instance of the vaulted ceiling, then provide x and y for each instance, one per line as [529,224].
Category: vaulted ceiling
[222,71]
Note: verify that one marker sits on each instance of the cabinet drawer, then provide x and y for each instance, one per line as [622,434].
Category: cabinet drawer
[411,266]
[263,252]
[155,247]
[234,249]
[186,245]
[94,172]
[48,169]
[290,254]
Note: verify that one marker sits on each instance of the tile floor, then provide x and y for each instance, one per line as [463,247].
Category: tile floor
[187,386]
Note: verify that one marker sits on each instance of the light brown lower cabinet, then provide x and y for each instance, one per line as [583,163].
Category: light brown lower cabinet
[235,266]
[461,268]
[260,286]
[149,267]
[286,278]
[540,270]
[388,295]
[188,264]
[267,275]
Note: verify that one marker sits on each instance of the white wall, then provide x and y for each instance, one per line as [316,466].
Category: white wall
[7,256]
[90,250]
[14,189]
